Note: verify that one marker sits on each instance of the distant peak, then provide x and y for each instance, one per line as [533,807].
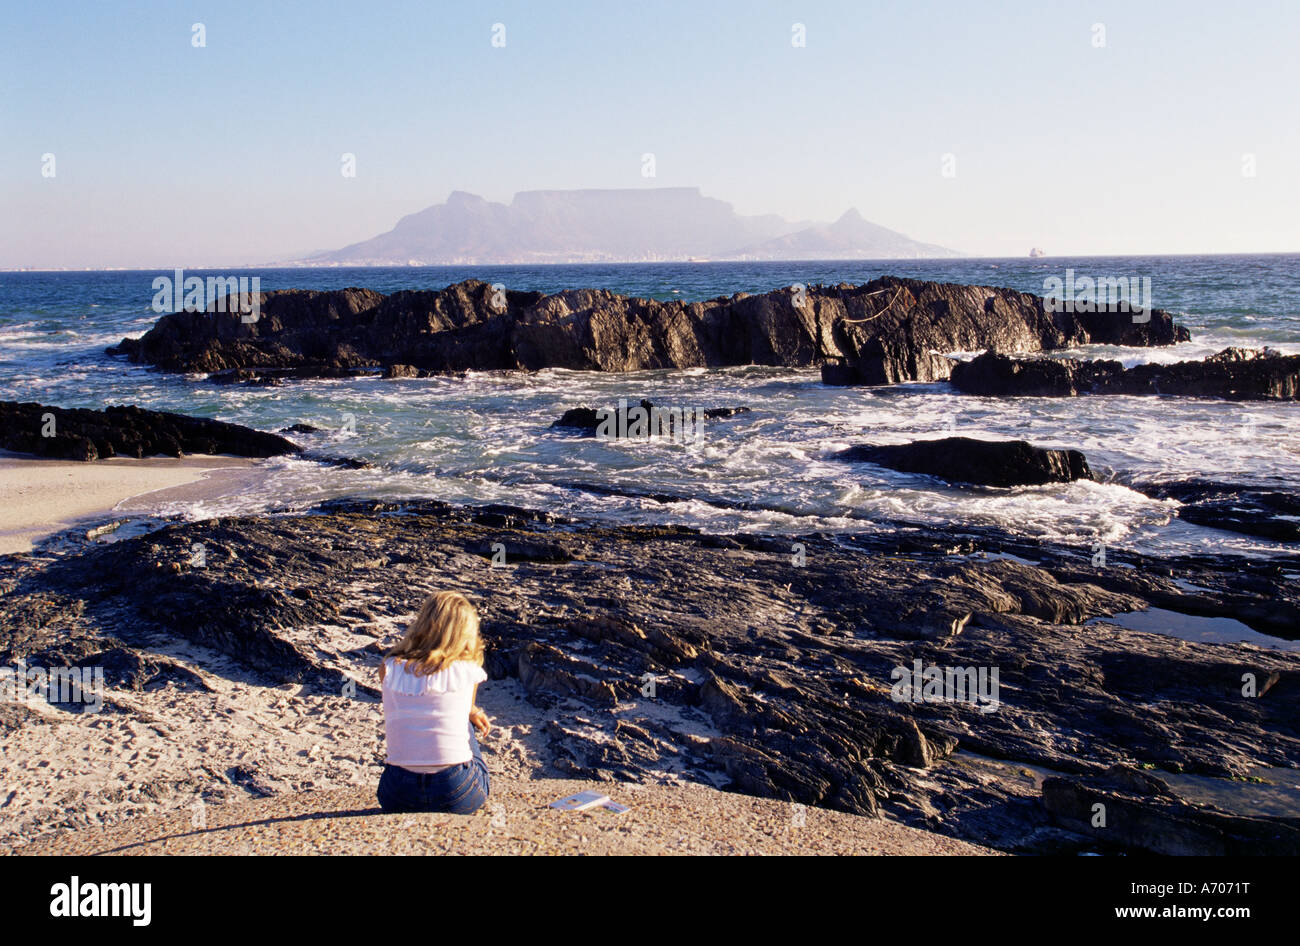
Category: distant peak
[464,197]
[851,216]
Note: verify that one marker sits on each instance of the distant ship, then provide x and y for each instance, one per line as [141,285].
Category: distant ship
[1036,252]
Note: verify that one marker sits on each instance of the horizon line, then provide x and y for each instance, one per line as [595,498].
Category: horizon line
[664,262]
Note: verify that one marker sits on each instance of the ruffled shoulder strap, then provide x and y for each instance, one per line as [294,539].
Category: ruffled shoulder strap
[457,676]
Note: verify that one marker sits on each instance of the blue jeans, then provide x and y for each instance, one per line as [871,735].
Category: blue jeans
[459,790]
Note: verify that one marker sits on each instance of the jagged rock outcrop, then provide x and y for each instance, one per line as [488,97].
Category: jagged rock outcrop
[81,434]
[907,348]
[985,462]
[588,419]
[888,330]
[398,372]
[1234,373]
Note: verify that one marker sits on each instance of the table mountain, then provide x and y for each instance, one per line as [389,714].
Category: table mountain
[631,224]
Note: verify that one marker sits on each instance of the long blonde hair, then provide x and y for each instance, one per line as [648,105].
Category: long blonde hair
[445,630]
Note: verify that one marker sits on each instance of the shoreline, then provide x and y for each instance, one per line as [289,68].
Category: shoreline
[41,497]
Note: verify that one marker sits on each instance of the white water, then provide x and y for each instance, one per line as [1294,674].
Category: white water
[486,437]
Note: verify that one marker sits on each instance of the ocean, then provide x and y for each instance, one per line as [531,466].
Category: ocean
[487,438]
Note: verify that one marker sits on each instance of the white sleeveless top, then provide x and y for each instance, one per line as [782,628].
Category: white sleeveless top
[426,718]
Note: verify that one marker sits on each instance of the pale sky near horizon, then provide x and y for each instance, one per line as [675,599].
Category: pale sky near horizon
[168,154]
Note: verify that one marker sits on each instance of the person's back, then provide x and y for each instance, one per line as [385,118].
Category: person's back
[429,680]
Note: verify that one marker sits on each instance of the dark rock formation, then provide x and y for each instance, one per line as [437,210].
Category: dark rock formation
[719,413]
[921,321]
[1233,373]
[889,329]
[1270,512]
[985,462]
[80,434]
[579,418]
[392,372]
[587,419]
[771,671]
[1139,813]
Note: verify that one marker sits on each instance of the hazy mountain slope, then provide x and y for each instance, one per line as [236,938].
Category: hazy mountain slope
[669,223]
[850,237]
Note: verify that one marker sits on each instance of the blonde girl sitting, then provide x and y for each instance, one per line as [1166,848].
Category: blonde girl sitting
[429,680]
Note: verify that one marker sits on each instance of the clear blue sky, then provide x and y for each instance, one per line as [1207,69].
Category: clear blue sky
[167,154]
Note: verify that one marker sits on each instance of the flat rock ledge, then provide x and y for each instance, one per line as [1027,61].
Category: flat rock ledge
[982,462]
[1234,374]
[588,419]
[125,431]
[1269,510]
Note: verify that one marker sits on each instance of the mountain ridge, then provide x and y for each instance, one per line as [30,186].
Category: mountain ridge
[662,224]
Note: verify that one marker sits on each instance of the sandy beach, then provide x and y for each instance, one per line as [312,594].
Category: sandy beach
[39,498]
